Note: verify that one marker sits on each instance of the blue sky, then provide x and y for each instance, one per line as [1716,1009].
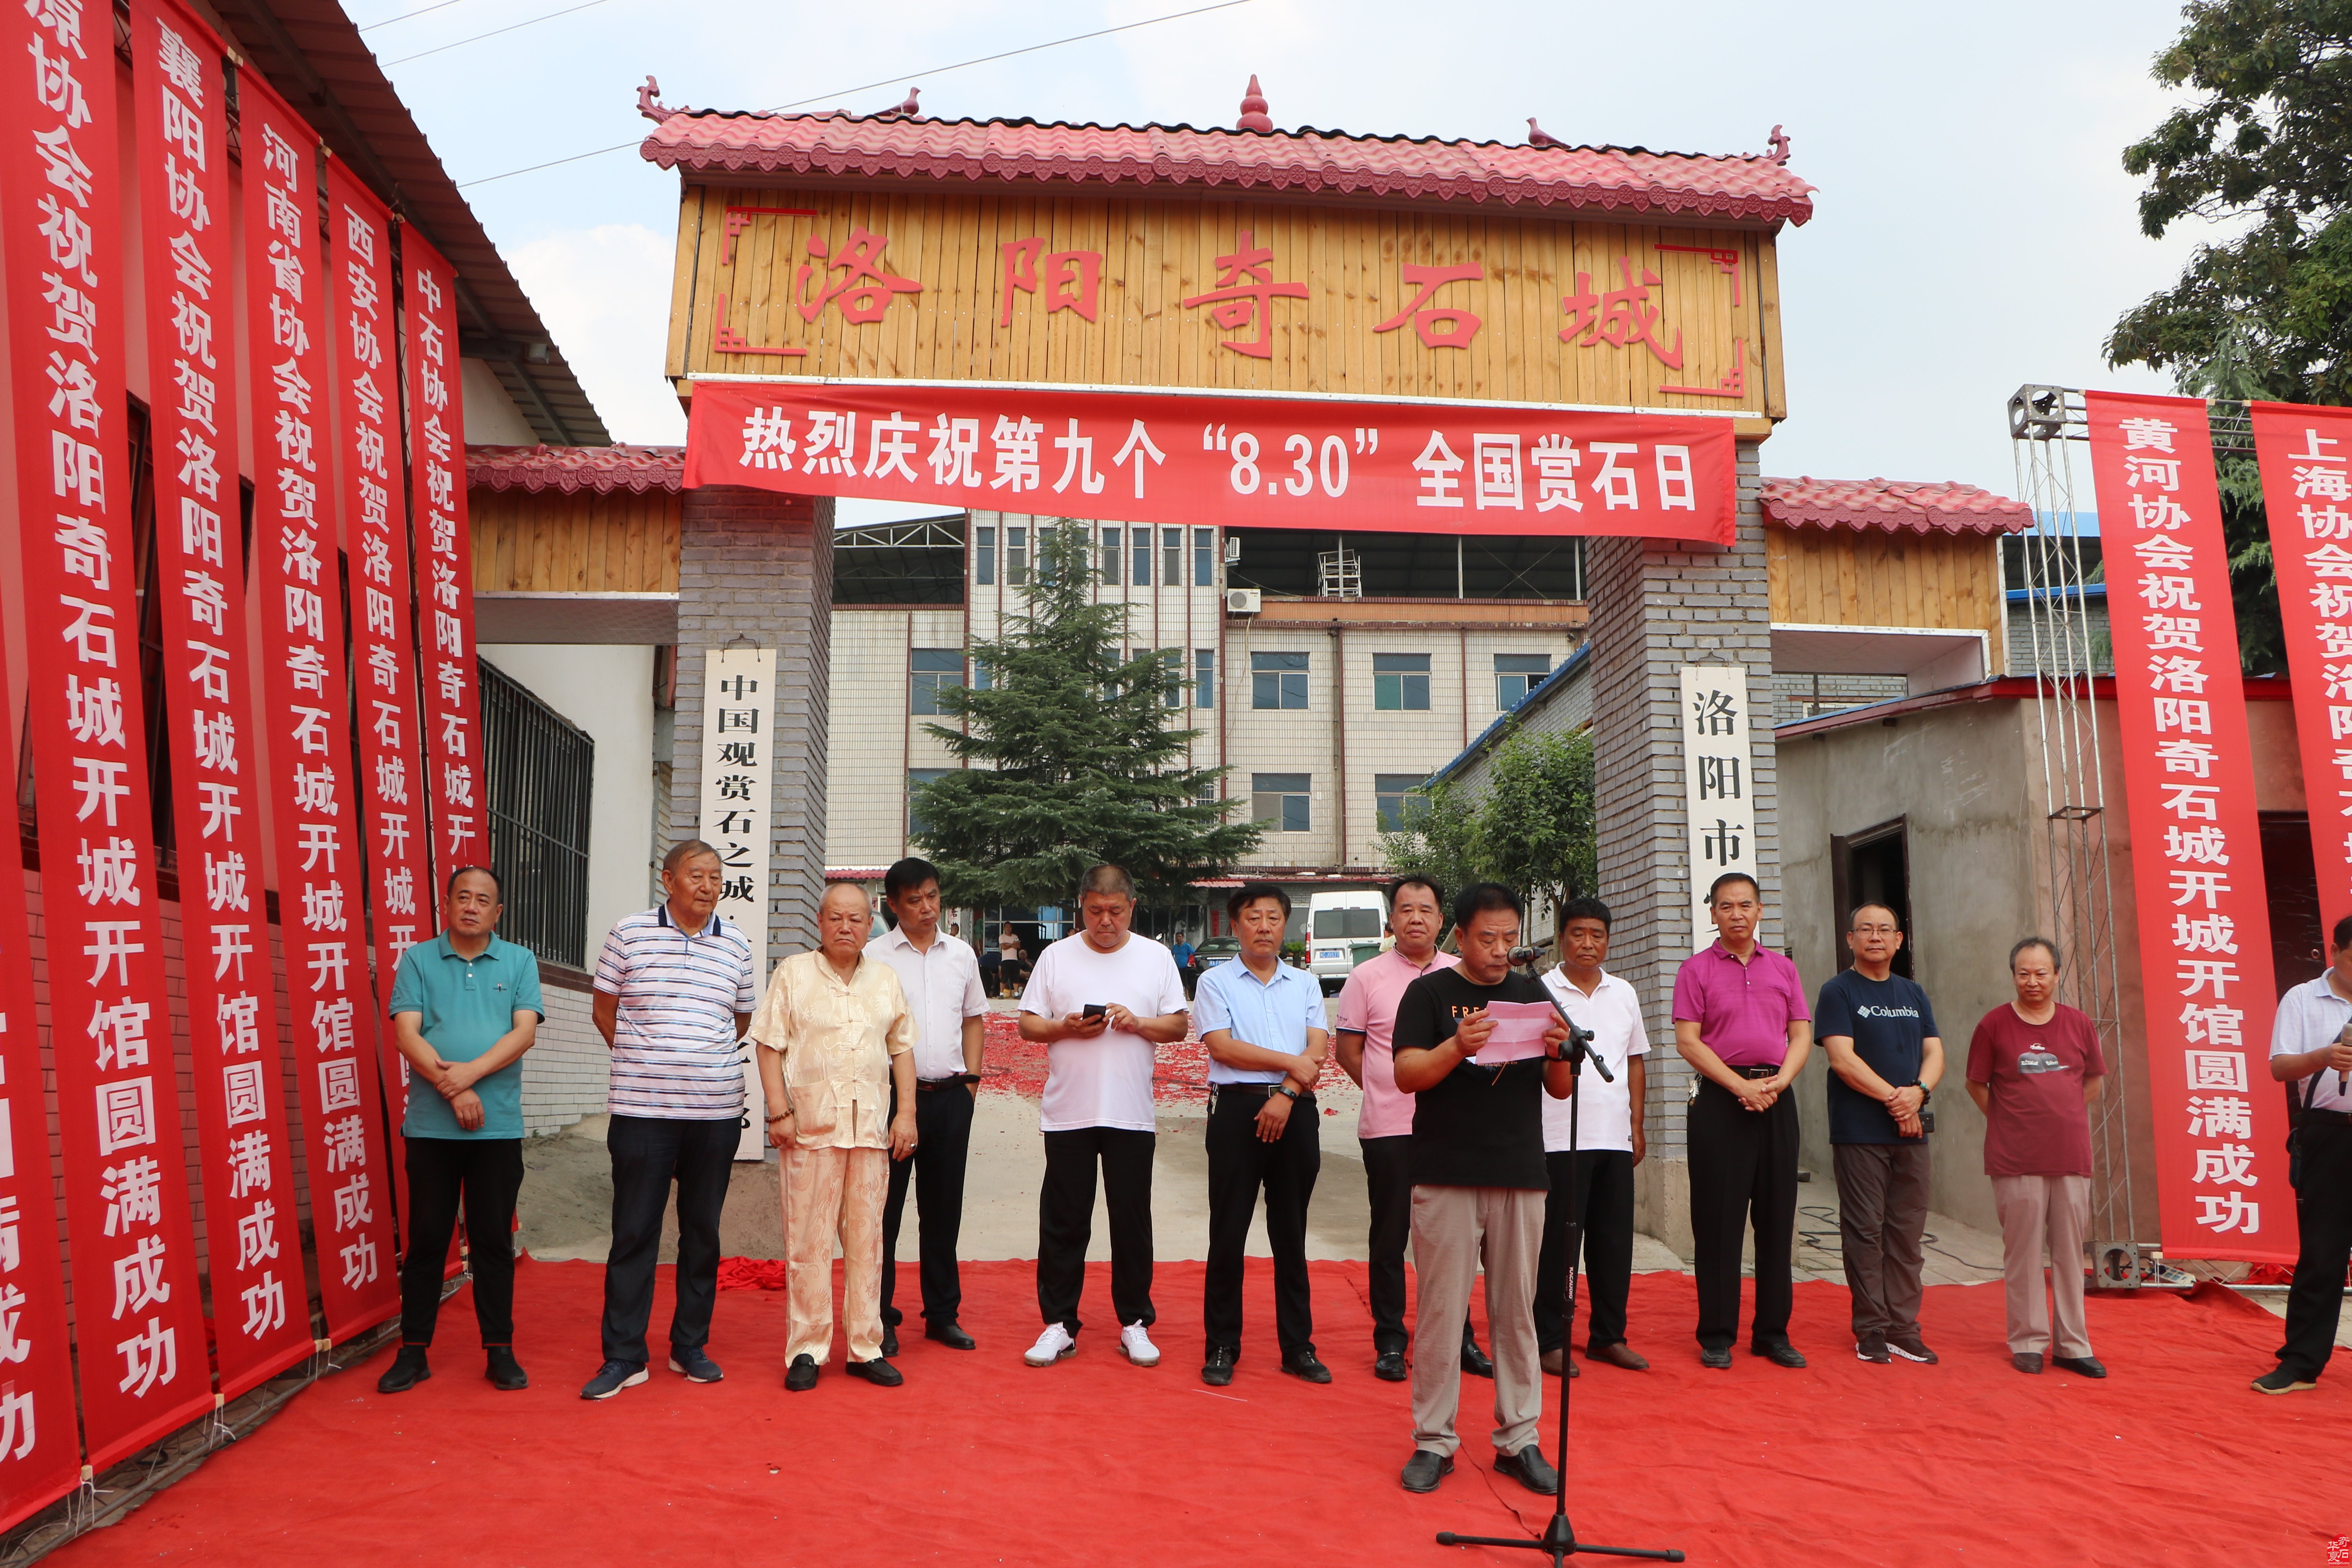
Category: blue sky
[1974,228]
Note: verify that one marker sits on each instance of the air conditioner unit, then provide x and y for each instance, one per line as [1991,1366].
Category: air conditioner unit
[1242,601]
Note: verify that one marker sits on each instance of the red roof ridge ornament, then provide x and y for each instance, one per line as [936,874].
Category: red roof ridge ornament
[1254,107]
[1780,142]
[649,102]
[910,109]
[1539,137]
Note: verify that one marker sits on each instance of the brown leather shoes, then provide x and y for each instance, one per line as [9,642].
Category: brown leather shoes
[1618,1354]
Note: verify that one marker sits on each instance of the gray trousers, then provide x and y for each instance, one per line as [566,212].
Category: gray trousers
[1881,1215]
[2034,1209]
[1452,1228]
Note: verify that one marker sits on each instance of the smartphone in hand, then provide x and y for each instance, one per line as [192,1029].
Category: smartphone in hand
[1092,1010]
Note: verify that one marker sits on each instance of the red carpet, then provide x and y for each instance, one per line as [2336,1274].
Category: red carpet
[981,1459]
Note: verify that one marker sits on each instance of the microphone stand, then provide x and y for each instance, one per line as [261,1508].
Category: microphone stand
[1559,1540]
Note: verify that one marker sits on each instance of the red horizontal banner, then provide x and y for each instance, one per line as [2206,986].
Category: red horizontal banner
[1226,460]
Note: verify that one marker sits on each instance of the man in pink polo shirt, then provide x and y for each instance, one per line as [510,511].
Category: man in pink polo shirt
[1740,1020]
[1367,1024]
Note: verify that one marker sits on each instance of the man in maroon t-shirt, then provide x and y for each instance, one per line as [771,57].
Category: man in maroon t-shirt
[2034,1066]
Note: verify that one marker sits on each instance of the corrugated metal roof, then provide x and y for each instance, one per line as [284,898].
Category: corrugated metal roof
[1745,188]
[312,54]
[1892,505]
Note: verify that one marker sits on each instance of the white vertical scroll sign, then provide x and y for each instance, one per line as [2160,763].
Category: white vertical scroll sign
[1717,781]
[739,709]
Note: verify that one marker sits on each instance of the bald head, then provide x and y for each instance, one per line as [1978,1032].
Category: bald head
[843,918]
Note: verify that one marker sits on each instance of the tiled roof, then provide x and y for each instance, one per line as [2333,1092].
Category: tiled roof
[603,470]
[1747,188]
[1894,506]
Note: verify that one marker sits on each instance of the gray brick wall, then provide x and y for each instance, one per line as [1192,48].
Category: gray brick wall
[760,564]
[1656,607]
[568,1072]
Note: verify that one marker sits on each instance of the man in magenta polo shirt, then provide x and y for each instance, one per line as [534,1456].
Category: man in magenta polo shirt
[1740,1020]
[1367,1026]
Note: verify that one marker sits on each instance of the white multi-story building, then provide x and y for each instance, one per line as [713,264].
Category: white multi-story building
[1329,675]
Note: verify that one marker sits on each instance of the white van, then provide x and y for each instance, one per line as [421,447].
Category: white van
[1342,931]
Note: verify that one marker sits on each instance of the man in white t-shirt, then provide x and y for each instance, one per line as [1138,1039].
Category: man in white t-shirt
[1609,1145]
[1100,1001]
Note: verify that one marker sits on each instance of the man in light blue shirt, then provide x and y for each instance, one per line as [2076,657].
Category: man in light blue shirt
[465,1007]
[1262,1023]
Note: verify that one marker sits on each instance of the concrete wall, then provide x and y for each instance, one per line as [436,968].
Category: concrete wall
[607,690]
[568,1070]
[491,417]
[1959,776]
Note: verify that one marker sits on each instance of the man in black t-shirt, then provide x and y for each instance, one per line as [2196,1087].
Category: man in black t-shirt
[1884,1058]
[1479,1182]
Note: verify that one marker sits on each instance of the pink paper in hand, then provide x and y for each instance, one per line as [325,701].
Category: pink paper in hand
[1519,1032]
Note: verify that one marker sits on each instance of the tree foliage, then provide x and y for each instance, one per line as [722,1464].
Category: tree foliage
[1530,828]
[2262,150]
[1073,756]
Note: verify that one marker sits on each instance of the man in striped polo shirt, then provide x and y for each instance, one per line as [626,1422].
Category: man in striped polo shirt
[674,997]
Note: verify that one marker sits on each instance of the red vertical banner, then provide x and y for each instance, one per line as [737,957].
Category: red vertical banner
[2306,456]
[2197,857]
[392,786]
[40,1449]
[445,561]
[321,904]
[139,1320]
[180,136]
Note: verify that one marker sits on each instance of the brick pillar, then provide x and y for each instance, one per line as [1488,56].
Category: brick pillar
[760,564]
[1657,606]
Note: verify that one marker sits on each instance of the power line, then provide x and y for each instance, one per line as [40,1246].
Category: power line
[405,15]
[867,86]
[493,33]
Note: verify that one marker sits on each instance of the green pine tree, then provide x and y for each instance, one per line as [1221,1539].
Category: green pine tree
[1072,756]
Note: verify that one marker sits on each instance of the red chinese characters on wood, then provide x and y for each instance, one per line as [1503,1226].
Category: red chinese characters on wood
[444,564]
[861,292]
[1438,327]
[322,897]
[2305,454]
[392,782]
[139,1321]
[1065,279]
[261,1305]
[2197,860]
[1620,317]
[1245,293]
[1235,461]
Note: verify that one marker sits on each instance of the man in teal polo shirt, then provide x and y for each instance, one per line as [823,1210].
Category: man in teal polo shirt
[465,1007]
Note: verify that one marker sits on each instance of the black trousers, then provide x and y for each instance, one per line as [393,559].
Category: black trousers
[1388,1182]
[1743,1169]
[935,1170]
[2323,1210]
[648,1155]
[484,1173]
[1241,1163]
[1065,1222]
[1604,1192]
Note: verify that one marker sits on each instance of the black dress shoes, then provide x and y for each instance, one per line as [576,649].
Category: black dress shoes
[1305,1368]
[505,1372]
[407,1370]
[2026,1360]
[2080,1365]
[1425,1470]
[1388,1366]
[878,1372]
[1474,1360]
[1533,1470]
[1217,1372]
[889,1341]
[802,1377]
[1716,1361]
[1780,1352]
[949,1334]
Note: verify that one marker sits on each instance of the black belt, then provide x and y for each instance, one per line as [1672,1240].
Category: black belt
[1253,1090]
[1754,1070]
[925,1084]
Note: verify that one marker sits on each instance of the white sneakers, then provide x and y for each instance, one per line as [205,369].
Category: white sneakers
[1138,1346]
[1055,1344]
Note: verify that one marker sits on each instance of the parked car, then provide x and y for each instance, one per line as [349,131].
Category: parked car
[1211,951]
[1343,931]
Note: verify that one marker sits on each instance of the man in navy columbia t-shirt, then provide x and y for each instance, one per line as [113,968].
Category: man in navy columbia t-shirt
[1884,1058]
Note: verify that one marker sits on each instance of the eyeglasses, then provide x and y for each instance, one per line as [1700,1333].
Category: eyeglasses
[1877,930]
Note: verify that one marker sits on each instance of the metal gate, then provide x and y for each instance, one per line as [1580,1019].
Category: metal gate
[540,766]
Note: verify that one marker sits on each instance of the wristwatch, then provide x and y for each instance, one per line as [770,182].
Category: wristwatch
[1287,1092]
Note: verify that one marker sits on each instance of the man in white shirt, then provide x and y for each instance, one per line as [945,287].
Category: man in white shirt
[2311,1048]
[940,976]
[1100,1000]
[1609,1144]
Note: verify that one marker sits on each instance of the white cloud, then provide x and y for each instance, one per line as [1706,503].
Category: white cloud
[603,293]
